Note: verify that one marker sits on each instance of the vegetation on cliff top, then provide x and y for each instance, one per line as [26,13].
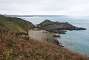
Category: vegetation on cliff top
[15,47]
[15,24]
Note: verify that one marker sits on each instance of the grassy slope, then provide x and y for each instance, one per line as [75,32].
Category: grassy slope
[13,48]
[15,24]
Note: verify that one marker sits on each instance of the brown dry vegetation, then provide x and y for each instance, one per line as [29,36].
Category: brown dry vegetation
[14,47]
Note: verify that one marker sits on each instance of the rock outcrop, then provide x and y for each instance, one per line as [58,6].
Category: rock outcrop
[59,27]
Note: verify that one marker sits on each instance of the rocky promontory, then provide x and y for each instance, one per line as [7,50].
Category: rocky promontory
[58,27]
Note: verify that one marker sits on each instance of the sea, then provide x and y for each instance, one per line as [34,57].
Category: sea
[76,40]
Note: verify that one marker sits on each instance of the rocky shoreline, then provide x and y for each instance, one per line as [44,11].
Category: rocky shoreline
[57,28]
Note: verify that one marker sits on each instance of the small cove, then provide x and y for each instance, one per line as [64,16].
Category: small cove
[76,41]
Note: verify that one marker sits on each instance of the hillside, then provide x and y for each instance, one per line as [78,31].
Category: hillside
[13,47]
[15,24]
[16,45]
[58,27]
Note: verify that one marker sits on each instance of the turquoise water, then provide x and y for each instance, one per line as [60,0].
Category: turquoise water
[76,41]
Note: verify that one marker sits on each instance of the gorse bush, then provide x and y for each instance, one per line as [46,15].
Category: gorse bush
[15,47]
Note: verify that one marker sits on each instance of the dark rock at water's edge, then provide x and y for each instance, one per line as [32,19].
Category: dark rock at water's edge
[56,35]
[58,43]
[58,27]
[80,28]
[57,31]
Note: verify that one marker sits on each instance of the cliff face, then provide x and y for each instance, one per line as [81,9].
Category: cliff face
[57,26]
[39,35]
[15,24]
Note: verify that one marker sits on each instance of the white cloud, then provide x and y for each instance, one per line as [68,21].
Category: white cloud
[45,7]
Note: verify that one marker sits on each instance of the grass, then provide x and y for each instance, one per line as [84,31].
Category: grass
[13,47]
[15,24]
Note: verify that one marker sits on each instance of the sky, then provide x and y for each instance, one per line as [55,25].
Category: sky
[45,7]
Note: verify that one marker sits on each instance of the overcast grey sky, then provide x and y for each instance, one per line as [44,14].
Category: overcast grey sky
[45,7]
